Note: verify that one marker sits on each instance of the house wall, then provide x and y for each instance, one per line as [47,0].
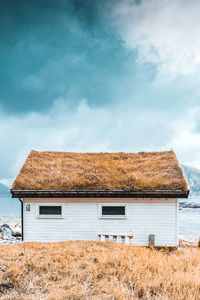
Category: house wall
[81,221]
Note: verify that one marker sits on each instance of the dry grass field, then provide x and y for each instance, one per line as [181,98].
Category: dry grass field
[94,270]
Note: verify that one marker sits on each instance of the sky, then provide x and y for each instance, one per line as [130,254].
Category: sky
[89,75]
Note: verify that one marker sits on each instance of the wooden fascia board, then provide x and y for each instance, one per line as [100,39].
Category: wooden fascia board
[98,194]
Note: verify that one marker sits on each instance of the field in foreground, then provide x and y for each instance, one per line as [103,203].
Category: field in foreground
[94,270]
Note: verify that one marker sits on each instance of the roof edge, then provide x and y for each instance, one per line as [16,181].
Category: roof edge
[99,193]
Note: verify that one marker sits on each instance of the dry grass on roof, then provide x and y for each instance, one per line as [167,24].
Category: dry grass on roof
[100,171]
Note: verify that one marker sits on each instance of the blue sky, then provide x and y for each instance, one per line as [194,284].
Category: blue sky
[99,76]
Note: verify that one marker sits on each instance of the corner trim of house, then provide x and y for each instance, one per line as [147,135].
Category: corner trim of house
[22,218]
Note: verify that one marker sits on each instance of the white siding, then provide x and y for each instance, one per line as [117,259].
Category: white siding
[81,222]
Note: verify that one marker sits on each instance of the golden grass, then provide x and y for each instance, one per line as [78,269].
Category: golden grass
[101,171]
[97,270]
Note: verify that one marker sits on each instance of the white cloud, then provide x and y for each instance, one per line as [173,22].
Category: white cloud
[144,117]
[186,140]
[86,129]
[164,32]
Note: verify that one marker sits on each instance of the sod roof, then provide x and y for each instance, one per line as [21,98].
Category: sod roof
[67,171]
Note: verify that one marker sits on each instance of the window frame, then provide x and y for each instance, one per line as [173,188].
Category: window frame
[49,216]
[101,216]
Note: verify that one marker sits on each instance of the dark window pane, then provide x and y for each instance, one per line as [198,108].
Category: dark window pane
[113,210]
[50,210]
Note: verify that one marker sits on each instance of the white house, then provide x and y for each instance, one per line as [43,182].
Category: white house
[124,197]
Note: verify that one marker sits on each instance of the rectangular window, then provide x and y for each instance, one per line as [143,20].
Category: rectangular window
[50,210]
[113,211]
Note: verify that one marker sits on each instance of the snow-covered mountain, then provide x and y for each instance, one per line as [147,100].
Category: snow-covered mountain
[4,190]
[8,205]
[193,178]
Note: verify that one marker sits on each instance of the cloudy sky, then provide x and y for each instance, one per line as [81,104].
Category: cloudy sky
[86,75]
